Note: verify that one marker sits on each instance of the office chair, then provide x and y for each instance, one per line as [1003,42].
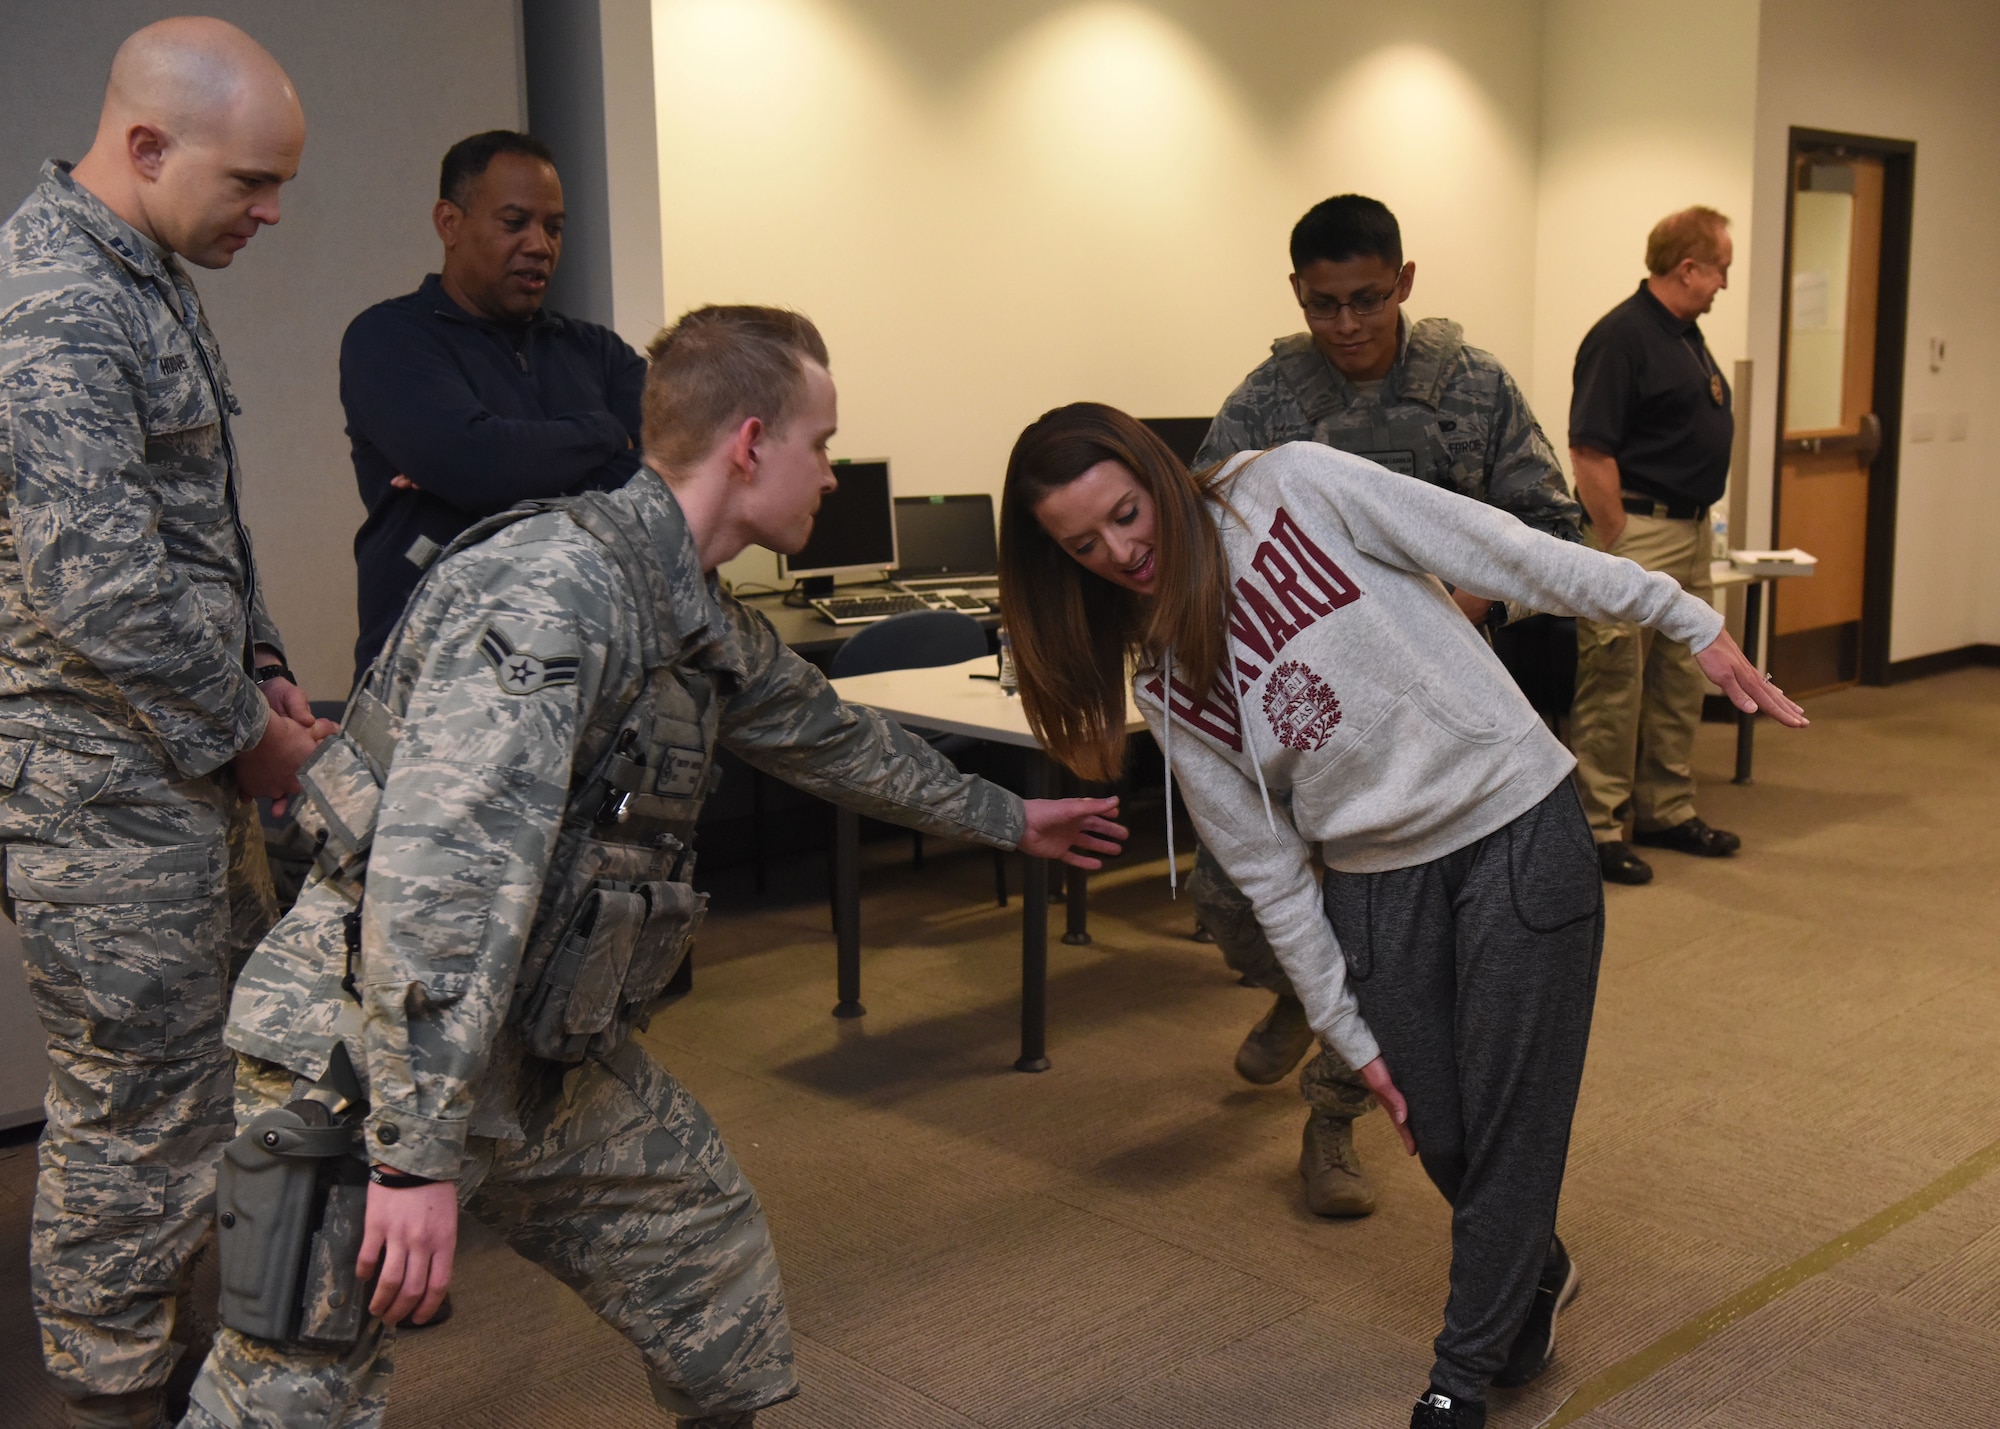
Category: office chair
[916,640]
[922,640]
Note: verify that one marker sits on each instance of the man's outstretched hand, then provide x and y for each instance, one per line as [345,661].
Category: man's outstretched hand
[1724,664]
[1065,828]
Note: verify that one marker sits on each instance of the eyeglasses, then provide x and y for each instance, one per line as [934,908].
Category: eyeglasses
[1320,308]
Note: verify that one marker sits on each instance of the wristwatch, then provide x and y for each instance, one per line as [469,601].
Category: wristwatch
[276,670]
[397,1180]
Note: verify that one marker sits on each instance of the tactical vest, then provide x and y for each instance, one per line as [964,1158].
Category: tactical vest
[1407,441]
[618,910]
[1404,433]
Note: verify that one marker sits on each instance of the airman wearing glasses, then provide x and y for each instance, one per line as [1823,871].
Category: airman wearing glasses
[1412,397]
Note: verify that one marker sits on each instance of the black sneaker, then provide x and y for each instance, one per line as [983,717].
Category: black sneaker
[1438,1410]
[1535,1345]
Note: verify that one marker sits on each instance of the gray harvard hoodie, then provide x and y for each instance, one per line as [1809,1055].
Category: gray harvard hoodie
[1362,700]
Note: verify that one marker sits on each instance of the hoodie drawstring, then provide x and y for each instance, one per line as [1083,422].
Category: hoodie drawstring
[1167,753]
[1249,743]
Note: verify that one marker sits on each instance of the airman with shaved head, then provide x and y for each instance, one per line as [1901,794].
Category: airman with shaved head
[144,699]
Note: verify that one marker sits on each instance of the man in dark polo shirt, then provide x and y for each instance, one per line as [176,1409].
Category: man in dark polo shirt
[1649,434]
[466,396]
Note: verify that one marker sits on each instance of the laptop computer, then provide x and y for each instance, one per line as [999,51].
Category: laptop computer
[947,544]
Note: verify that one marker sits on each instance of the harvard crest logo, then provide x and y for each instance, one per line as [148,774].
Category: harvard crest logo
[520,673]
[1300,706]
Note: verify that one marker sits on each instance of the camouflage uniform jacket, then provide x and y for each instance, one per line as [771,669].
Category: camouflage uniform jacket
[516,661]
[1446,412]
[128,596]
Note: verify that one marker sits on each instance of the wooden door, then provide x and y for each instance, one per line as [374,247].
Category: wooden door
[1831,435]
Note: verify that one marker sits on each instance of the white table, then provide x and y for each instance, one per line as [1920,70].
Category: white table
[1724,574]
[962,699]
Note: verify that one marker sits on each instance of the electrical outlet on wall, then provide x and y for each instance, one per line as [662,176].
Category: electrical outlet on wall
[1956,425]
[1923,426]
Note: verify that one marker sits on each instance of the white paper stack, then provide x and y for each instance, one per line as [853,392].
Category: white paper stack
[1793,562]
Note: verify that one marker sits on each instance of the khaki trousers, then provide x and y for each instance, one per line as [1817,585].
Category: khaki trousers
[1638,694]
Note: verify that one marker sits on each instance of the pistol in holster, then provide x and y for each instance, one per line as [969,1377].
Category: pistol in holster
[291,1202]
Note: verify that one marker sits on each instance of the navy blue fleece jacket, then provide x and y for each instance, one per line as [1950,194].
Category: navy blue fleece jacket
[479,416]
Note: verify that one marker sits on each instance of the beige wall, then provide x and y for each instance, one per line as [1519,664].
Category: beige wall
[1923,70]
[1640,117]
[387,87]
[992,210]
[995,208]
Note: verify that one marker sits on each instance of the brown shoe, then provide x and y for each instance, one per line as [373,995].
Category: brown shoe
[1276,1044]
[1335,1183]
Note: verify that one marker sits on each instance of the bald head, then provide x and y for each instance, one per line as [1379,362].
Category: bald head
[192,74]
[200,128]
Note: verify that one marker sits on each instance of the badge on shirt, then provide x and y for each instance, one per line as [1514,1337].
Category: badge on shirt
[1715,388]
[680,774]
[521,673]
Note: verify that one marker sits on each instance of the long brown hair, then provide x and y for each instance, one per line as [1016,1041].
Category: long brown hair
[1073,632]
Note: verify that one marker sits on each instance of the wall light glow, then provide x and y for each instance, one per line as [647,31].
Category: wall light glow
[1112,83]
[1084,203]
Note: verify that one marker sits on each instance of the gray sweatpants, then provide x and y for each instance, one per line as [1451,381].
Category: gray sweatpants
[1476,972]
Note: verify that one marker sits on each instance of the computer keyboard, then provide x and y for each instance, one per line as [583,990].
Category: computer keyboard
[862,609]
[974,597]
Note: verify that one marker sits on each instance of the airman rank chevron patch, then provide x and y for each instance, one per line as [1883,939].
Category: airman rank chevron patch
[520,673]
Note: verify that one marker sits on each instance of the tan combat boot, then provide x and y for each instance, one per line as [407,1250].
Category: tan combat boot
[147,1409]
[1335,1183]
[1275,1044]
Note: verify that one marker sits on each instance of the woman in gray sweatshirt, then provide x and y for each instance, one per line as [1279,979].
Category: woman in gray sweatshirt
[1293,650]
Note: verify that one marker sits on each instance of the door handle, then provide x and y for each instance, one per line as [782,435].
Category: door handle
[1866,443]
[1871,438]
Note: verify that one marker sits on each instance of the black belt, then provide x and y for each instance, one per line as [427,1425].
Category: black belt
[1664,510]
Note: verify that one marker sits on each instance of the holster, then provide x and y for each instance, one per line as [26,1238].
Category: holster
[291,1200]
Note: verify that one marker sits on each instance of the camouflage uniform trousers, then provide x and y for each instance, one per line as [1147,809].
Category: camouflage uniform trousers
[1326,1082]
[624,1190]
[138,897]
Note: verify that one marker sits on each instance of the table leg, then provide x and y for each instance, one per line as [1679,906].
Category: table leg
[1753,630]
[1076,885]
[1035,939]
[1077,927]
[847,910]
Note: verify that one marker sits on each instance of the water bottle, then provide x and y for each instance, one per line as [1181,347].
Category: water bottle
[1010,684]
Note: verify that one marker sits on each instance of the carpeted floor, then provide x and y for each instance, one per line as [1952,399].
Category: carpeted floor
[1788,1046]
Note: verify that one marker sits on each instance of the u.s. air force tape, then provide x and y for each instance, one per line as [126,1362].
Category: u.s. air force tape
[520,672]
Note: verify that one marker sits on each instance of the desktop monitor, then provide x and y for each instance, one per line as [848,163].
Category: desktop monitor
[855,530]
[945,536]
[1183,435]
